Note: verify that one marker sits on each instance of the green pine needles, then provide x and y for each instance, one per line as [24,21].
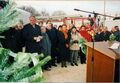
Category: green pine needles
[15,67]
[8,16]
[19,70]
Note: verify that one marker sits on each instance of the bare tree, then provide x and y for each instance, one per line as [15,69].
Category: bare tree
[44,13]
[58,13]
[30,9]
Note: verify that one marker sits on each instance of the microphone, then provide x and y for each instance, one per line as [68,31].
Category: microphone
[76,9]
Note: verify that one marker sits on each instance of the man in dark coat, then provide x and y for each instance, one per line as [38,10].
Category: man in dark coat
[32,36]
[104,36]
[117,33]
[97,35]
[13,38]
[52,34]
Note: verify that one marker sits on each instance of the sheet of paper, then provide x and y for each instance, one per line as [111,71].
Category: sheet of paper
[115,46]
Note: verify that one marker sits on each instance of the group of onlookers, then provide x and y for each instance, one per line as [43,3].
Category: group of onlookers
[103,34]
[61,43]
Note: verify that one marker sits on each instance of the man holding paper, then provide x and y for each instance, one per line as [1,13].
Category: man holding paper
[32,36]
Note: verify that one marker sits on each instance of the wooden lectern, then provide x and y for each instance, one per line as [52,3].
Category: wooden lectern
[106,65]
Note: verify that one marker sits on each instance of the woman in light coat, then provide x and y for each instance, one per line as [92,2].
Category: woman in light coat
[74,46]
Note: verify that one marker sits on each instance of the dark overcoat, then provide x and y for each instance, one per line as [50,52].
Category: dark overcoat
[29,32]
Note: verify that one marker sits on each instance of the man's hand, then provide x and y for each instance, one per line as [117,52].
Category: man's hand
[35,38]
[38,39]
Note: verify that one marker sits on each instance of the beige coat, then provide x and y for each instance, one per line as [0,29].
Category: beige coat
[75,46]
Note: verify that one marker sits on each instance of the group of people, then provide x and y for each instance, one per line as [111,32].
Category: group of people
[61,43]
[103,34]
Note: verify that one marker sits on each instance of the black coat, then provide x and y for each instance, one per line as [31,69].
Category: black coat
[62,45]
[52,34]
[13,40]
[117,34]
[29,32]
[69,35]
[104,36]
[97,37]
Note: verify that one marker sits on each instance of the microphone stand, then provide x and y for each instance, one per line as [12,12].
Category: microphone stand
[92,68]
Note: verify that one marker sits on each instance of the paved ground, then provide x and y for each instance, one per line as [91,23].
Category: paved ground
[69,74]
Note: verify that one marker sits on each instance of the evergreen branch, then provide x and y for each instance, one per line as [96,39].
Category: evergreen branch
[8,16]
[7,10]
[31,71]
[3,57]
[13,20]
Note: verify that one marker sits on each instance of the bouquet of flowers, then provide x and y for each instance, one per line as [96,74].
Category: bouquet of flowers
[83,46]
[112,37]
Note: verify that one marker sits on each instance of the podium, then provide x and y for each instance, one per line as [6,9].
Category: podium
[106,65]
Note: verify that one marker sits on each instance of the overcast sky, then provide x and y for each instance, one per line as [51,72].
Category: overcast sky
[68,6]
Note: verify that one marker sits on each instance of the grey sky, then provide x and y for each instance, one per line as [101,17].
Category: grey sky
[68,6]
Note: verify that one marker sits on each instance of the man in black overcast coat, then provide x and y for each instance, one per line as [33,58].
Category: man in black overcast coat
[104,36]
[13,38]
[52,34]
[32,36]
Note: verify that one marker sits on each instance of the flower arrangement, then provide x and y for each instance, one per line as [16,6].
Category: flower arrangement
[83,46]
[112,37]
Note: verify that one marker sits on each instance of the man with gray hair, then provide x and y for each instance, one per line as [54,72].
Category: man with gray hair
[32,36]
